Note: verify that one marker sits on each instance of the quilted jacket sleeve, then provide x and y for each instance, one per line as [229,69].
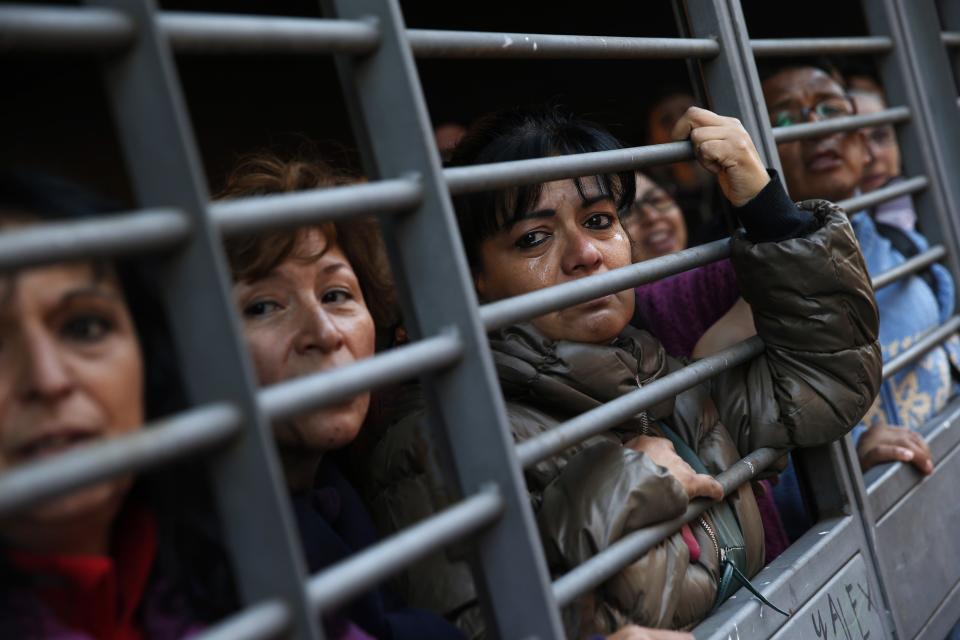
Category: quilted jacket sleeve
[814,308]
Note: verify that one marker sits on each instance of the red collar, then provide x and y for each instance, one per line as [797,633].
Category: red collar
[99,595]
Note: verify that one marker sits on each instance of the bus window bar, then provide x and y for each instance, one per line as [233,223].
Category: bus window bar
[951,38]
[245,215]
[884,194]
[298,396]
[502,313]
[103,236]
[363,570]
[925,343]
[632,546]
[499,175]
[187,433]
[215,33]
[917,263]
[30,29]
[776,47]
[263,621]
[823,128]
[428,43]
[614,412]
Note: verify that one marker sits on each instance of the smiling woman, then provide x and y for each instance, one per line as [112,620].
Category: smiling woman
[83,359]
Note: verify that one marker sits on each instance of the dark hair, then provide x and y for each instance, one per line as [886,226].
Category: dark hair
[521,134]
[769,67]
[191,569]
[252,256]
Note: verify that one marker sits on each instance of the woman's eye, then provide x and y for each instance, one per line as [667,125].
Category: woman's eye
[260,308]
[336,296]
[531,239]
[86,328]
[599,221]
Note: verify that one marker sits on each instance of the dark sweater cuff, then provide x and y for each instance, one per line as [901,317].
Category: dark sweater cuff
[771,216]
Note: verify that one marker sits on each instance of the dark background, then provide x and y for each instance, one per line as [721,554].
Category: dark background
[55,116]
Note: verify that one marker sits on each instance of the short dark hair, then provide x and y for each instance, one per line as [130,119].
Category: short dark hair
[520,134]
[770,67]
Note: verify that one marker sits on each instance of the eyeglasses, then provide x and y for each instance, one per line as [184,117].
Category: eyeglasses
[656,199]
[827,109]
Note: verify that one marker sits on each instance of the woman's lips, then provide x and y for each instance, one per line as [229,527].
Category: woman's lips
[824,161]
[660,242]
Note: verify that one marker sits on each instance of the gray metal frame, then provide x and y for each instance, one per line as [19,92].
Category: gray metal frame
[409,191]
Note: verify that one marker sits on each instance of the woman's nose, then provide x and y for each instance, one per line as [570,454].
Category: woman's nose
[318,331]
[45,374]
[581,256]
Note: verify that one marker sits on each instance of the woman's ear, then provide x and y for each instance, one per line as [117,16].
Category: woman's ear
[480,284]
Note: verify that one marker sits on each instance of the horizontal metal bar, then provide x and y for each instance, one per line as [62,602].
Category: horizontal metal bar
[497,175]
[913,265]
[263,621]
[919,348]
[951,38]
[32,29]
[837,125]
[360,572]
[632,546]
[103,236]
[428,43]
[217,33]
[299,208]
[884,194]
[777,47]
[509,311]
[308,393]
[184,434]
[614,412]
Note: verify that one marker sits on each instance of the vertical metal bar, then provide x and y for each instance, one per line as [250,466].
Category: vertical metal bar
[391,122]
[731,78]
[918,75]
[950,21]
[161,157]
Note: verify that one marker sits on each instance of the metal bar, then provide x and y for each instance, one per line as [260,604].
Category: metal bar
[263,621]
[502,313]
[498,175]
[245,215]
[884,194]
[951,38]
[837,125]
[632,546]
[31,29]
[308,393]
[155,134]
[218,33]
[104,236]
[614,412]
[917,263]
[928,341]
[429,43]
[363,570]
[468,414]
[784,47]
[187,433]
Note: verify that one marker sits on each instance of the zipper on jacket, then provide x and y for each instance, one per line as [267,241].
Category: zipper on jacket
[713,538]
[644,419]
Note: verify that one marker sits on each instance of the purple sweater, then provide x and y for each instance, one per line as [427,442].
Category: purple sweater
[680,309]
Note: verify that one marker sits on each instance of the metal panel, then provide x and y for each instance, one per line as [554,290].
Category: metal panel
[391,122]
[925,573]
[158,145]
[845,608]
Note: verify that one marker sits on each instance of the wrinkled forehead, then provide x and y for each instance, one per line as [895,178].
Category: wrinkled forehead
[799,86]
[571,191]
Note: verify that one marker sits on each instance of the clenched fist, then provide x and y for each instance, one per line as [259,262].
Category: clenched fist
[662,452]
[725,149]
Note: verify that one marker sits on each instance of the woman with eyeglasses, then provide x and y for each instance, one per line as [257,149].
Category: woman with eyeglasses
[809,386]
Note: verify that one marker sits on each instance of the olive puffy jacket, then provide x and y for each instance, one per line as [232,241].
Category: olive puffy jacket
[814,309]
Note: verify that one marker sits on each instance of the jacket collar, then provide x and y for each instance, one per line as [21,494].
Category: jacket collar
[573,377]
